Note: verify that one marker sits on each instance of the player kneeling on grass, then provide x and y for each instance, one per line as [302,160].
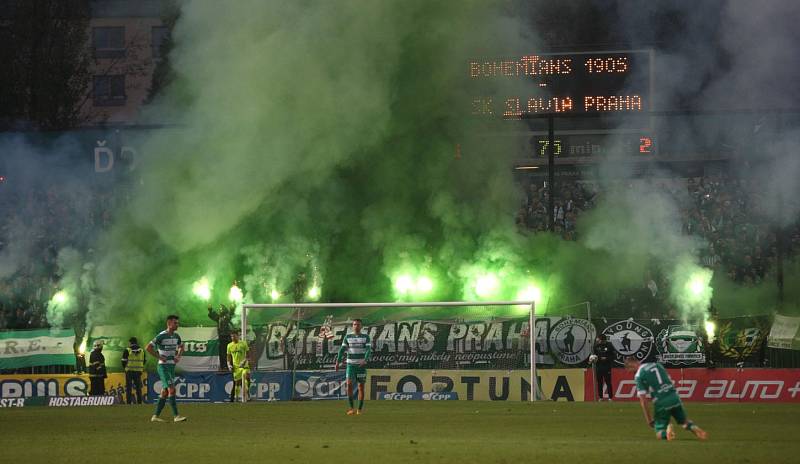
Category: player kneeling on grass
[358,348]
[239,364]
[170,349]
[652,379]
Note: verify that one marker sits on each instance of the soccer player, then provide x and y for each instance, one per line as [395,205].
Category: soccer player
[358,348]
[170,349]
[239,364]
[653,379]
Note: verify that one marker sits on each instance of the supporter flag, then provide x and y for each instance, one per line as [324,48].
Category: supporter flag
[26,348]
[201,345]
[785,333]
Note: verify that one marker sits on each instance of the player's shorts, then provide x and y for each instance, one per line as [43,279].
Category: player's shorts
[166,372]
[238,372]
[357,373]
[662,414]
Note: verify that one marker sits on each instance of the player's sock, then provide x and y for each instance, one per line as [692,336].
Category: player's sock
[361,404]
[662,435]
[160,405]
[246,386]
[689,425]
[173,405]
[350,400]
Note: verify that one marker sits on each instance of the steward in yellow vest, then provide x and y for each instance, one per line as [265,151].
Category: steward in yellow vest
[133,362]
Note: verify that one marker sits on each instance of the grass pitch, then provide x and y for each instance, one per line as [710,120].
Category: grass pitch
[401,432]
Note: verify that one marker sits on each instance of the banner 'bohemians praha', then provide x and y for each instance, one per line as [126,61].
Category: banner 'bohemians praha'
[560,341]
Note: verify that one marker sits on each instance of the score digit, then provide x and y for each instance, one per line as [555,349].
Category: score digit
[645,145]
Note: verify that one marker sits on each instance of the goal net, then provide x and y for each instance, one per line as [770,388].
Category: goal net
[431,350]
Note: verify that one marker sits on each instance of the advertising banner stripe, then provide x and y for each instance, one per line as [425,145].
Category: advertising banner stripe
[716,385]
[37,385]
[478,385]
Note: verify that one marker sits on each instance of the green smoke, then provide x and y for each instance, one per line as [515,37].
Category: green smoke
[64,306]
[316,153]
[316,150]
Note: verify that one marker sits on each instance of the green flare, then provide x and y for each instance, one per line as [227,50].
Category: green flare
[60,297]
[201,289]
[696,286]
[530,293]
[314,292]
[711,329]
[486,286]
[404,284]
[424,285]
[691,290]
[235,294]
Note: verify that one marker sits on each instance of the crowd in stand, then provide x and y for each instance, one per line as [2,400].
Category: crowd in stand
[570,200]
[35,225]
[726,213]
[739,240]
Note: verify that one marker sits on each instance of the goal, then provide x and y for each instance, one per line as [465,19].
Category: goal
[464,349]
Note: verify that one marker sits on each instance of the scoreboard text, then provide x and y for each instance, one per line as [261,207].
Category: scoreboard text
[586,82]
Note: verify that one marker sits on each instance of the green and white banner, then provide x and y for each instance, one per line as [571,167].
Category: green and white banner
[785,333]
[26,348]
[201,346]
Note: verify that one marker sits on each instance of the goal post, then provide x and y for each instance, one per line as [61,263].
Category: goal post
[471,310]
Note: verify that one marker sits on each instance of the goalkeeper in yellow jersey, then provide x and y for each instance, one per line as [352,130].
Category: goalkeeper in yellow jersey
[238,363]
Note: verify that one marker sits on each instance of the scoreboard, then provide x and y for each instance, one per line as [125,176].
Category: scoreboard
[570,83]
[592,94]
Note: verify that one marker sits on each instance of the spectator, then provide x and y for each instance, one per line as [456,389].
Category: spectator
[20,319]
[223,319]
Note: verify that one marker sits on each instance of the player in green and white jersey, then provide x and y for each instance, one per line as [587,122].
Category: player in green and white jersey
[170,349]
[653,380]
[358,347]
[239,365]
